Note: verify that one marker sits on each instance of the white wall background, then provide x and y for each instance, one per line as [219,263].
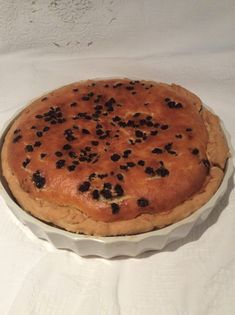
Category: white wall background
[115,27]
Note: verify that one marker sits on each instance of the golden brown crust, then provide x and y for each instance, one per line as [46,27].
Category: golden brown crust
[149,196]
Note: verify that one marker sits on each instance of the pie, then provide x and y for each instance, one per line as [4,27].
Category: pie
[114,157]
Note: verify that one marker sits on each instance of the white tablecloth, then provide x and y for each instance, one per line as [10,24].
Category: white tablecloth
[194,276]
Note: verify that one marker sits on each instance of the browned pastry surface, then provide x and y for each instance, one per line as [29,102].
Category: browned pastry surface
[113,157]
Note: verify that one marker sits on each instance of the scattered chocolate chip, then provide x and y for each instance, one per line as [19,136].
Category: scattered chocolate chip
[157,151]
[189,129]
[39,134]
[141,162]
[95,143]
[67,147]
[28,148]
[42,155]
[38,180]
[130,164]
[108,185]
[85,186]
[71,167]
[178,136]
[58,153]
[73,154]
[17,138]
[85,131]
[74,104]
[153,132]
[60,163]
[168,146]
[115,157]
[206,163]
[118,189]
[162,171]
[139,133]
[142,202]
[106,193]
[16,131]
[164,127]
[96,194]
[39,116]
[120,176]
[37,144]
[195,151]
[46,128]
[149,170]
[126,153]
[115,208]
[26,162]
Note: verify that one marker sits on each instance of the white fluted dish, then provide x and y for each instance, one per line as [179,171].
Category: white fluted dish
[109,247]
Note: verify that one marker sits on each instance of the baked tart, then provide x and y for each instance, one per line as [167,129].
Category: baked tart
[114,157]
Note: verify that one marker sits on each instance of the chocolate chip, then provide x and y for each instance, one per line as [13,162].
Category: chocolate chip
[106,193]
[39,116]
[139,133]
[44,99]
[85,98]
[58,153]
[115,157]
[60,163]
[85,186]
[206,163]
[120,176]
[142,202]
[108,185]
[67,147]
[38,179]
[17,138]
[42,155]
[130,164]
[119,191]
[28,148]
[162,172]
[85,131]
[26,162]
[96,194]
[71,167]
[95,143]
[168,146]
[164,127]
[178,136]
[157,151]
[126,153]
[39,134]
[115,208]
[195,151]
[141,162]
[37,144]
[149,170]
[189,129]
[73,104]
[73,155]
[46,128]
[154,133]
